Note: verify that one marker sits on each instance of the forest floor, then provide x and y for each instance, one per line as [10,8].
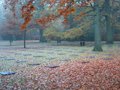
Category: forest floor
[51,67]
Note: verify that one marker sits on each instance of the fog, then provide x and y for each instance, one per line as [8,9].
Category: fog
[2,18]
[2,13]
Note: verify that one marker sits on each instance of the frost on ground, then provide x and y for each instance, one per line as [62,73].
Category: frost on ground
[46,67]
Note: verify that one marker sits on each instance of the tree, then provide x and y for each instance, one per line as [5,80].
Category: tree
[53,9]
[27,15]
[97,46]
[109,30]
[66,8]
[51,33]
[115,17]
[10,31]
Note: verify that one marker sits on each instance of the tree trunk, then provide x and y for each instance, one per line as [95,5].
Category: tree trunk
[58,41]
[97,46]
[10,39]
[109,30]
[10,42]
[24,38]
[41,39]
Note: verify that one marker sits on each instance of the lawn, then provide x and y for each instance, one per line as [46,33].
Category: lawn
[48,58]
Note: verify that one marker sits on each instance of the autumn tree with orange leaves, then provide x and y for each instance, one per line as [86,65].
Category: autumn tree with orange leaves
[26,13]
[63,8]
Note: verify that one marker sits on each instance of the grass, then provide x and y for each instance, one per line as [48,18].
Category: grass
[46,54]
[16,58]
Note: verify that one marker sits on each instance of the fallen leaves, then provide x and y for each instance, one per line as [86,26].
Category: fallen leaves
[74,75]
[89,72]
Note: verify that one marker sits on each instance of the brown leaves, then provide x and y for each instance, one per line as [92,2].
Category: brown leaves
[95,75]
[44,20]
[63,2]
[66,11]
[27,14]
[64,8]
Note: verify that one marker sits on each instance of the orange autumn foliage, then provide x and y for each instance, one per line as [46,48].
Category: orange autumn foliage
[27,14]
[64,8]
[52,1]
[63,2]
[44,20]
[65,12]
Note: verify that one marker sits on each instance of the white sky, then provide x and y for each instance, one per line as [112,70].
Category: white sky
[1,1]
[1,10]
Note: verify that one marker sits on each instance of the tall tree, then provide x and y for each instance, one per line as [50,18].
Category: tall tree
[97,46]
[109,30]
[37,14]
[27,15]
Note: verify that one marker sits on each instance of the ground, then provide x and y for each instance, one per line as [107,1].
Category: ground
[17,59]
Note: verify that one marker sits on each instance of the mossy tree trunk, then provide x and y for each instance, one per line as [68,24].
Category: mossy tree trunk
[97,46]
[109,30]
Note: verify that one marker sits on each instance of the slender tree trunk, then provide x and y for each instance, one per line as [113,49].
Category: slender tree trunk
[97,46]
[41,39]
[24,38]
[10,42]
[10,39]
[109,30]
